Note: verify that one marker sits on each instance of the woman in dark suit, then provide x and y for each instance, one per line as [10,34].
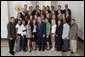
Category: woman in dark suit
[59,36]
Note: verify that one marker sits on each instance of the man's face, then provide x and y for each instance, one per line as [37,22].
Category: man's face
[66,6]
[12,20]
[39,19]
[72,22]
[19,15]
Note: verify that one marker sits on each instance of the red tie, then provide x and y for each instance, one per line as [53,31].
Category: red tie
[39,25]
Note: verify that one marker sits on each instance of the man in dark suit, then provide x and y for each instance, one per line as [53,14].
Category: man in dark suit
[36,10]
[41,34]
[23,14]
[66,8]
[11,35]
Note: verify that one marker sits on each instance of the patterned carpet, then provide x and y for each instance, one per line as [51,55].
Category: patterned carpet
[5,52]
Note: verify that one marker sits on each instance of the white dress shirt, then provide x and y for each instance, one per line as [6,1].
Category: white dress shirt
[65,31]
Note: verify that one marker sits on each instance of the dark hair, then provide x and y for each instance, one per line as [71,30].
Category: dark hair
[73,19]
[47,18]
[19,20]
[12,17]
[37,6]
[59,6]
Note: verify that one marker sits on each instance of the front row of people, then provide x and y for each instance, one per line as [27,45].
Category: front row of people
[42,33]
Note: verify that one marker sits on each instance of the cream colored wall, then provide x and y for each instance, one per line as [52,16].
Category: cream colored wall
[44,3]
[4,18]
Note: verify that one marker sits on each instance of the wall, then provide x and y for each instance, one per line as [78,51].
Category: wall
[4,18]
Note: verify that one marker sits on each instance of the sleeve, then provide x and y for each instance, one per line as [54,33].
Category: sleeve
[21,30]
[9,30]
[44,28]
[75,32]
[17,26]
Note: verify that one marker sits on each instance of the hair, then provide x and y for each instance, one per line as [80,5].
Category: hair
[19,20]
[47,18]
[59,6]
[12,17]
[25,5]
[28,24]
[37,6]
[73,19]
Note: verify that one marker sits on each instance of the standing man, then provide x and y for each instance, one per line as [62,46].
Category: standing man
[11,35]
[73,36]
[65,34]
[41,34]
[66,8]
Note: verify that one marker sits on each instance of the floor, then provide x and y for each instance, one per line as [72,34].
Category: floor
[5,51]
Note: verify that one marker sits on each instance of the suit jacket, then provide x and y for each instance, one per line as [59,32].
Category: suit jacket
[34,11]
[22,16]
[64,11]
[42,30]
[73,32]
[59,31]
[11,30]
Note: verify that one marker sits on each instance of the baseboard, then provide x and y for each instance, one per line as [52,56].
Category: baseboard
[4,38]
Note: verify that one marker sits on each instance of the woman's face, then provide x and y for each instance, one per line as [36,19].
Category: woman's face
[59,22]
[42,16]
[53,16]
[35,17]
[34,21]
[46,12]
[19,22]
[23,22]
[28,21]
[19,15]
[31,17]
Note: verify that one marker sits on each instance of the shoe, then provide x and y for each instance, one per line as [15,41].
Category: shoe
[25,50]
[48,49]
[43,49]
[39,49]
[12,53]
[53,49]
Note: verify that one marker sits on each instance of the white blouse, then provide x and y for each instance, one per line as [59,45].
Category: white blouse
[23,30]
[19,29]
[34,30]
[53,29]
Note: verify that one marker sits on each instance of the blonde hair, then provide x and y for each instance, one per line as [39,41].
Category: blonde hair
[53,21]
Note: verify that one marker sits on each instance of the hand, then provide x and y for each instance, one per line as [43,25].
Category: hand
[33,36]
[47,36]
[23,37]
[57,35]
[43,36]
[10,38]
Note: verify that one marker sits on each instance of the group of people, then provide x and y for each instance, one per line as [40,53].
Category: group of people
[45,29]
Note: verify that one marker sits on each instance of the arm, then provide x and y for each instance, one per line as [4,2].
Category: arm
[9,30]
[28,31]
[16,32]
[44,29]
[48,32]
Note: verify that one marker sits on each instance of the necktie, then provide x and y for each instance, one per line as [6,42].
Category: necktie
[39,25]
